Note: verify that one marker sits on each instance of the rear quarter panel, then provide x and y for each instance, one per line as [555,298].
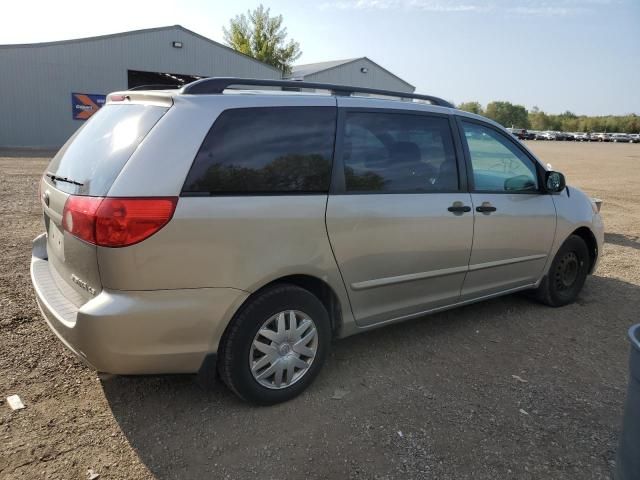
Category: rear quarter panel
[238,242]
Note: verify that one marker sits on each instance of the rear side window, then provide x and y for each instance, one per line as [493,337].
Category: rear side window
[97,152]
[398,153]
[266,150]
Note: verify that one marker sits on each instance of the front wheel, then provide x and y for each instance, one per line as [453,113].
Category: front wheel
[275,346]
[567,274]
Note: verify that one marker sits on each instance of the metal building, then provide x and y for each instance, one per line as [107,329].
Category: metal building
[48,89]
[359,72]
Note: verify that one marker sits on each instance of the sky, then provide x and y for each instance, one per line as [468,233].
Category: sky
[558,55]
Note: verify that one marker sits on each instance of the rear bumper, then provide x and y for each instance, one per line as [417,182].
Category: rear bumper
[136,332]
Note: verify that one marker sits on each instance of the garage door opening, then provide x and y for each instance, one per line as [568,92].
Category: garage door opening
[139,78]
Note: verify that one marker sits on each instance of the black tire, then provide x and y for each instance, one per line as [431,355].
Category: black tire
[567,274]
[235,346]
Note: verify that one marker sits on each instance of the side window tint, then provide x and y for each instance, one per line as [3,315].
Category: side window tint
[498,165]
[393,153]
[266,150]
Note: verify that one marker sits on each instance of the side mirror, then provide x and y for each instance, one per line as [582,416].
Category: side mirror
[554,182]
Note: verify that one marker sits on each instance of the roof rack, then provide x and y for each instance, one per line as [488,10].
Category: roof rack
[219,84]
[155,86]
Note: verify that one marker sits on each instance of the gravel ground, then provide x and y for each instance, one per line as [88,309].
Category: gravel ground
[503,389]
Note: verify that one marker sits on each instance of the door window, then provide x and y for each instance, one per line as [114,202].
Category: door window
[398,153]
[498,164]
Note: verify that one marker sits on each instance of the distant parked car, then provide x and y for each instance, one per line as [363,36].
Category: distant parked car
[560,135]
[548,135]
[621,138]
[519,133]
[581,137]
[635,137]
[601,137]
[568,136]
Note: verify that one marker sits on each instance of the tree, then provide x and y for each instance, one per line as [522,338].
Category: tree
[538,120]
[517,116]
[472,107]
[262,37]
[508,115]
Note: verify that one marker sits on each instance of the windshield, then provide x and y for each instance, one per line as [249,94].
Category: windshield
[94,156]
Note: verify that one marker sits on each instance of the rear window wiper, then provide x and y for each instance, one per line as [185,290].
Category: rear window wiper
[56,178]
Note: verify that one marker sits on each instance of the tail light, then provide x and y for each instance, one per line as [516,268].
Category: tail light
[79,217]
[116,222]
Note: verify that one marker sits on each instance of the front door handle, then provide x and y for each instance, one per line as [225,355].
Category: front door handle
[486,207]
[458,207]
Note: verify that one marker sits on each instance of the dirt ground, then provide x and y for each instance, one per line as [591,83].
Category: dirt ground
[503,389]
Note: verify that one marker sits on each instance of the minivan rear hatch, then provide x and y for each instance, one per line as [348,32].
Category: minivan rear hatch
[86,166]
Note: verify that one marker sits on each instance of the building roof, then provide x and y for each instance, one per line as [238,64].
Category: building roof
[137,32]
[298,72]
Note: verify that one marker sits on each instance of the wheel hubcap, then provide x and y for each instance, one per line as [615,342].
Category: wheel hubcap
[283,349]
[567,271]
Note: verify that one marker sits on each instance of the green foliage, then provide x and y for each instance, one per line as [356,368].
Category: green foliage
[471,107]
[262,37]
[364,182]
[538,120]
[517,116]
[508,114]
[582,123]
[287,173]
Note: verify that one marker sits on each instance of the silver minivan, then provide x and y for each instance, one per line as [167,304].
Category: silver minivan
[246,229]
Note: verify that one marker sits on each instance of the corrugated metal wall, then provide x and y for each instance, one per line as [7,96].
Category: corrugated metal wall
[350,74]
[36,81]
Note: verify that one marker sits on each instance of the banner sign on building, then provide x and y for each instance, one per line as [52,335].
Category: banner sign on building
[84,105]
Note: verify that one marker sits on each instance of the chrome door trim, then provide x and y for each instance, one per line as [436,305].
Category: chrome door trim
[508,261]
[410,277]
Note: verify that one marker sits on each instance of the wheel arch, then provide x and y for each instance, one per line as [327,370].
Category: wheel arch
[592,245]
[318,287]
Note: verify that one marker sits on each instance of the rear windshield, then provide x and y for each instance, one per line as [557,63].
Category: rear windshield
[97,152]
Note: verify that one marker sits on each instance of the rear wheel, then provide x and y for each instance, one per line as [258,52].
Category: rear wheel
[567,274]
[275,346]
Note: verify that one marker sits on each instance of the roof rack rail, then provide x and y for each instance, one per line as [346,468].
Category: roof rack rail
[219,84]
[155,86]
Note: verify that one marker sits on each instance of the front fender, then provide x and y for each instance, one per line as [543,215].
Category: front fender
[574,210]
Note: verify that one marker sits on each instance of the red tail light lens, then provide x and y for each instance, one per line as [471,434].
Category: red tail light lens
[116,222]
[125,221]
[79,217]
